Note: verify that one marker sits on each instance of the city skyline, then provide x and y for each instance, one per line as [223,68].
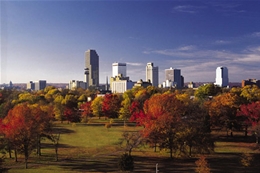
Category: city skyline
[47,39]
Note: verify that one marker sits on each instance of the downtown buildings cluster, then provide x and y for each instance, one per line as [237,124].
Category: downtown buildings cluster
[119,82]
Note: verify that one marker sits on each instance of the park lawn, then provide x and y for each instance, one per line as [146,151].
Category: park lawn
[94,148]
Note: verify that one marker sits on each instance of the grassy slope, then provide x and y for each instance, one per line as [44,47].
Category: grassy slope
[93,148]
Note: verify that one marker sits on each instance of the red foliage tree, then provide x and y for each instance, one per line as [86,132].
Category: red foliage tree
[23,125]
[111,105]
[250,112]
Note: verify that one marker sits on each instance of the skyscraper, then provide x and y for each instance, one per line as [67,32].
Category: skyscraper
[222,77]
[174,75]
[118,68]
[92,68]
[152,74]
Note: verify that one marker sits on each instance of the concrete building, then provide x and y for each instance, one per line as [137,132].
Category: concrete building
[141,83]
[74,84]
[250,82]
[36,85]
[174,76]
[152,74]
[92,68]
[30,86]
[118,68]
[119,84]
[222,77]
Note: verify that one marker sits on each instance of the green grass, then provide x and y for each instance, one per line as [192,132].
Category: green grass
[94,148]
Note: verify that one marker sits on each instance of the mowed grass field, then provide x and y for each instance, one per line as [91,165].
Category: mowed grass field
[95,149]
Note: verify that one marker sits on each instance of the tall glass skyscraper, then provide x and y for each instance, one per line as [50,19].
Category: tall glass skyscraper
[152,74]
[174,75]
[222,77]
[118,68]
[92,68]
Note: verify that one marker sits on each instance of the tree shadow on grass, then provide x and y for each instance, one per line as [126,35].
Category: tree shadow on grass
[62,130]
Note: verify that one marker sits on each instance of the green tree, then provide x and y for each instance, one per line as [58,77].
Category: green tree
[207,90]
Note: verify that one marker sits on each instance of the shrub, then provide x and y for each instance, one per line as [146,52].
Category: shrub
[126,162]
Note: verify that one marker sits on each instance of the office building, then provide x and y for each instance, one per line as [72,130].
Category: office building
[74,84]
[36,85]
[173,77]
[250,82]
[92,68]
[118,68]
[120,84]
[152,74]
[222,77]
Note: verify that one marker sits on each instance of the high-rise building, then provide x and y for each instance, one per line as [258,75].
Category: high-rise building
[118,68]
[39,85]
[152,74]
[174,75]
[222,77]
[92,68]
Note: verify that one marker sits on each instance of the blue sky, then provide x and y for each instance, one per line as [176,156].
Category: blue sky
[47,39]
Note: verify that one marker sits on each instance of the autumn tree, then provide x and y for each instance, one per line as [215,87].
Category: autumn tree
[202,165]
[222,110]
[207,90]
[23,125]
[96,106]
[163,113]
[111,105]
[86,111]
[124,112]
[251,93]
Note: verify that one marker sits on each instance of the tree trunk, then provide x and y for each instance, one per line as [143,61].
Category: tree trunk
[15,154]
[9,149]
[190,150]
[246,131]
[26,155]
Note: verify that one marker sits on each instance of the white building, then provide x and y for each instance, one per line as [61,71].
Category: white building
[118,68]
[222,76]
[152,74]
[121,86]
[74,84]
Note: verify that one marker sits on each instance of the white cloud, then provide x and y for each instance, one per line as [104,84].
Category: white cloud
[199,65]
[134,63]
[222,42]
[187,9]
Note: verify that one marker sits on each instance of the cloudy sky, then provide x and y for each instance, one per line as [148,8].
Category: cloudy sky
[47,39]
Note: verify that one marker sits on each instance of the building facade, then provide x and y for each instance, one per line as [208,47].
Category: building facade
[74,84]
[120,84]
[250,82]
[36,85]
[152,74]
[174,76]
[118,68]
[92,68]
[222,77]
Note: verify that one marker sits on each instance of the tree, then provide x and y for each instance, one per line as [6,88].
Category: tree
[96,106]
[23,125]
[207,90]
[251,93]
[86,111]
[111,105]
[223,109]
[59,108]
[202,165]
[124,112]
[250,114]
[163,113]
[130,141]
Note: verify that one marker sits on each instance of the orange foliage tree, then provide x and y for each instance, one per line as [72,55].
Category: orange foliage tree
[23,125]
[163,112]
